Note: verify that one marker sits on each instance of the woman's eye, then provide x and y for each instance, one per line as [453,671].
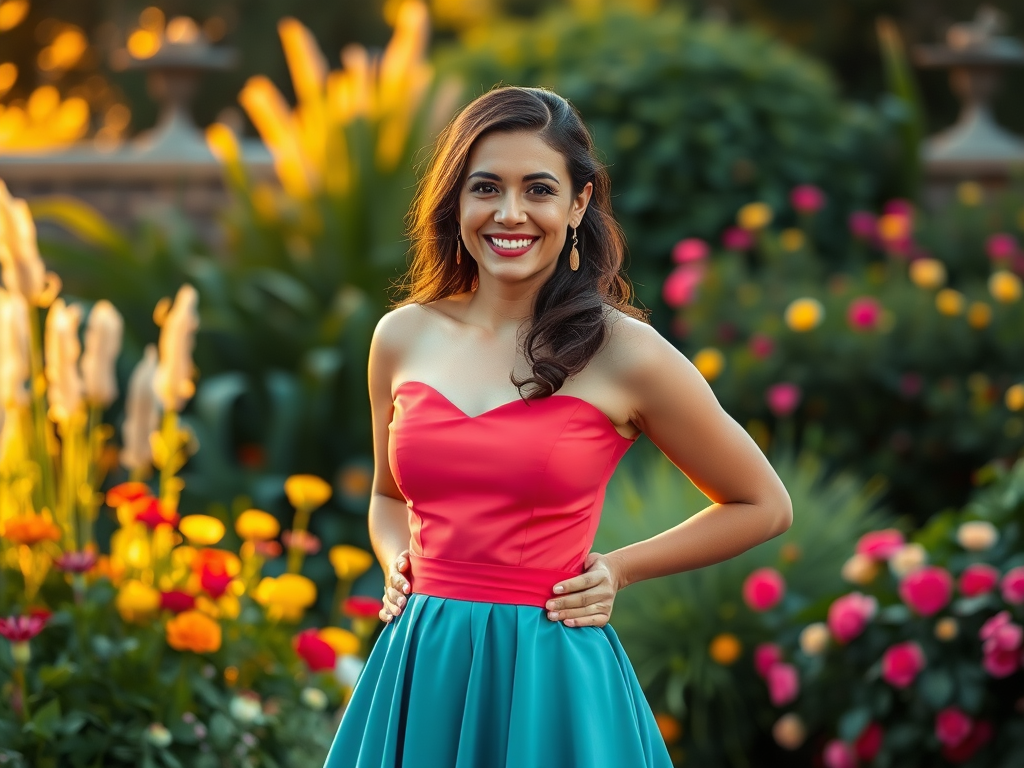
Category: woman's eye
[482,186]
[541,189]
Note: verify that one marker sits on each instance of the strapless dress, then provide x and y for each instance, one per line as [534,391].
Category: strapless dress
[472,673]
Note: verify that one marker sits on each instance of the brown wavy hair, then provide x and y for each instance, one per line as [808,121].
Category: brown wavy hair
[568,324]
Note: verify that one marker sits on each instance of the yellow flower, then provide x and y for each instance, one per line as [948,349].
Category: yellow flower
[804,314]
[30,530]
[137,602]
[193,631]
[286,596]
[201,530]
[725,649]
[792,239]
[341,640]
[668,727]
[710,362]
[949,302]
[350,562]
[927,273]
[970,193]
[947,628]
[754,216]
[1015,397]
[307,491]
[979,315]
[1005,286]
[257,525]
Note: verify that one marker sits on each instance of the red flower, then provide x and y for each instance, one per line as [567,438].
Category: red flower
[1013,586]
[214,581]
[125,493]
[902,663]
[952,726]
[361,607]
[153,513]
[20,629]
[807,198]
[869,742]
[927,590]
[177,601]
[763,589]
[317,654]
[977,579]
[965,750]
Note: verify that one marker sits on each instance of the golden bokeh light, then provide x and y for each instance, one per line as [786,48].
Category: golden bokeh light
[143,43]
[8,77]
[12,13]
[181,30]
[152,20]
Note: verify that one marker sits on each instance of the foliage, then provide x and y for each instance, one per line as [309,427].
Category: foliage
[956,591]
[690,634]
[694,117]
[908,357]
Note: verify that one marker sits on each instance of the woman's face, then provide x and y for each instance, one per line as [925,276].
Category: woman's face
[515,206]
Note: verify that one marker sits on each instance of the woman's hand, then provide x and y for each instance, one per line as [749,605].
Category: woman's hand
[396,587]
[587,599]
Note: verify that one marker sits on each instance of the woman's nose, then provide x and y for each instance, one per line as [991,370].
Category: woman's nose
[509,211]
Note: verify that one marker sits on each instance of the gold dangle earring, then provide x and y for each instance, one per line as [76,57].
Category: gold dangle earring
[458,250]
[574,255]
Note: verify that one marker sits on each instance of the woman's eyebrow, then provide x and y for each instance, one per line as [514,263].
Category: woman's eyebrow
[527,177]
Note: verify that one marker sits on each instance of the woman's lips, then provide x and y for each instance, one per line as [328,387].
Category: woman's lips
[510,246]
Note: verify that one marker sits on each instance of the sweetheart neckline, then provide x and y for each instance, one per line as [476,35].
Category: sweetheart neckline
[489,411]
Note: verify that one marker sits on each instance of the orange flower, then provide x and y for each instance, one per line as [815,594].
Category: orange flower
[125,493]
[725,649]
[218,561]
[30,530]
[193,631]
[668,726]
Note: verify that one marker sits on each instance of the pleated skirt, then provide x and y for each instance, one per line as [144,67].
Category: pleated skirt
[464,684]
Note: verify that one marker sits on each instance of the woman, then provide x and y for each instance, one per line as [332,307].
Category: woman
[497,651]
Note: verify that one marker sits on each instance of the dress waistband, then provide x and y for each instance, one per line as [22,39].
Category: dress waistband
[483,582]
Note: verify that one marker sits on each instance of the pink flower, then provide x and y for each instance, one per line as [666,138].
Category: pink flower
[899,207]
[979,735]
[849,615]
[305,541]
[977,579]
[76,562]
[1000,662]
[763,589]
[863,225]
[176,601]
[838,754]
[20,629]
[864,313]
[952,726]
[1012,586]
[880,545]
[807,198]
[761,346]
[901,663]
[690,249]
[680,286]
[737,239]
[1001,246]
[927,590]
[783,398]
[869,742]
[783,683]
[1002,645]
[317,654]
[765,656]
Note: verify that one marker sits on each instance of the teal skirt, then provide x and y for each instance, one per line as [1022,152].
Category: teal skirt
[462,684]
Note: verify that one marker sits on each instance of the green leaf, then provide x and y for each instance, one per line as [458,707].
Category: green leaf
[222,731]
[936,687]
[853,722]
[58,675]
[45,720]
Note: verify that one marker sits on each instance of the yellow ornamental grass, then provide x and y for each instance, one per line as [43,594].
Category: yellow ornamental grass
[1015,397]
[137,602]
[710,362]
[979,315]
[193,631]
[257,525]
[928,273]
[341,640]
[307,492]
[804,314]
[1005,286]
[201,530]
[350,562]
[949,302]
[754,216]
[725,649]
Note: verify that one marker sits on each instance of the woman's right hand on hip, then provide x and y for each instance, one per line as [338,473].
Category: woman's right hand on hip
[396,587]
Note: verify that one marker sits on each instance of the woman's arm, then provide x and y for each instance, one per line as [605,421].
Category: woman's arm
[676,409]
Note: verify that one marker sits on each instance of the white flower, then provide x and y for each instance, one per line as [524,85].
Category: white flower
[314,698]
[246,709]
[61,352]
[977,535]
[348,668]
[174,374]
[22,269]
[158,735]
[102,346]
[14,350]
[814,638]
[142,413]
[908,558]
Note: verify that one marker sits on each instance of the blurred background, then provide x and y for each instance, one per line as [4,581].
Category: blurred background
[824,205]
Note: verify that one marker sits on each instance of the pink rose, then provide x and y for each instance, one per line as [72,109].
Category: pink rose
[783,398]
[996,629]
[807,198]
[927,590]
[1001,246]
[952,726]
[1013,586]
[864,313]
[1002,642]
[849,614]
[761,346]
[680,286]
[977,579]
[838,754]
[869,742]
[783,683]
[737,239]
[901,663]
[690,249]
[763,589]
[1000,662]
[880,545]
[765,656]
[863,225]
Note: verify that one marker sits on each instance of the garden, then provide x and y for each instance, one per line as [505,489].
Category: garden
[186,575]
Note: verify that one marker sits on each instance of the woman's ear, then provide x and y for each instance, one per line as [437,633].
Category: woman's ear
[579,205]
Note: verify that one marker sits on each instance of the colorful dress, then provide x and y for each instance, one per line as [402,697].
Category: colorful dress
[472,673]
